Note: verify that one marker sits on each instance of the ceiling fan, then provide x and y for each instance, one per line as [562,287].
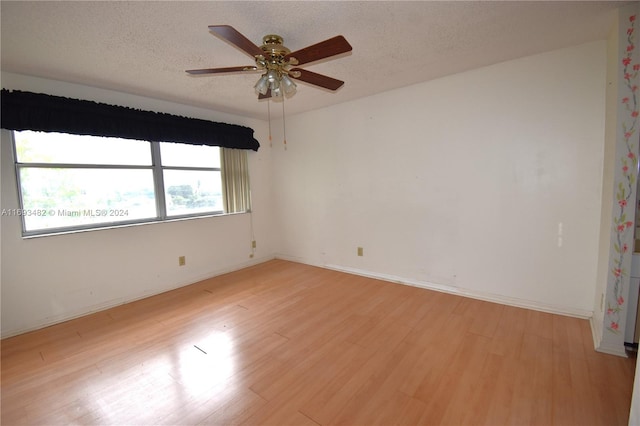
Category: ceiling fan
[278,64]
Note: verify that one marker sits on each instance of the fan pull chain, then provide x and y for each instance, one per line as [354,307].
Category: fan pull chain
[269,114]
[284,127]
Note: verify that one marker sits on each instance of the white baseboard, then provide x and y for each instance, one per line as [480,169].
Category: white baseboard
[612,351]
[46,322]
[504,300]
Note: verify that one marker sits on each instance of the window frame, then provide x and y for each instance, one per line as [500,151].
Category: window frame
[156,168]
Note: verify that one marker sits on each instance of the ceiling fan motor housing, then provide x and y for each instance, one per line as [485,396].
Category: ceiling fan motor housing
[272,44]
[275,52]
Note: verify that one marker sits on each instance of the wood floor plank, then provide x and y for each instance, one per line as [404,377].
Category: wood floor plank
[411,411]
[376,400]
[286,343]
[361,379]
[483,316]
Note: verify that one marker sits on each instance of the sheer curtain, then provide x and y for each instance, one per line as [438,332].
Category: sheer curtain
[236,193]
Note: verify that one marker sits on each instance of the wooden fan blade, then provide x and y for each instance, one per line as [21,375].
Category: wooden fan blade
[265,96]
[324,49]
[232,35]
[316,79]
[221,70]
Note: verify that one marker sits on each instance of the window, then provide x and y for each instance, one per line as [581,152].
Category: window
[71,182]
[192,181]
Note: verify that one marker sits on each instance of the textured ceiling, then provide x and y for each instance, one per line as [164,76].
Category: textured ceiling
[143,48]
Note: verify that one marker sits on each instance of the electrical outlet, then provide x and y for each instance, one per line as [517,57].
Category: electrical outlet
[360,251]
[253,244]
[182,260]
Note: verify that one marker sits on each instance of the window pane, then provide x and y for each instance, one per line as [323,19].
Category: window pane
[192,191]
[54,198]
[43,147]
[182,155]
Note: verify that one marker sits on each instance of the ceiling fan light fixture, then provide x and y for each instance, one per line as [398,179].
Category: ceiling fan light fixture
[277,92]
[272,76]
[288,85]
[262,86]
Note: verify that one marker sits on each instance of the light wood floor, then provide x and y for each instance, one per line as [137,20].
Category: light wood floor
[284,343]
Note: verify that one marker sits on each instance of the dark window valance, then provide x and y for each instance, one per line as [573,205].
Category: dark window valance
[41,112]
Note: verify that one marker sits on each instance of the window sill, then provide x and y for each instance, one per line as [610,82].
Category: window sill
[110,226]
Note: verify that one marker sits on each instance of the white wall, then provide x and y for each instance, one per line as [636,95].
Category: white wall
[49,279]
[461,183]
